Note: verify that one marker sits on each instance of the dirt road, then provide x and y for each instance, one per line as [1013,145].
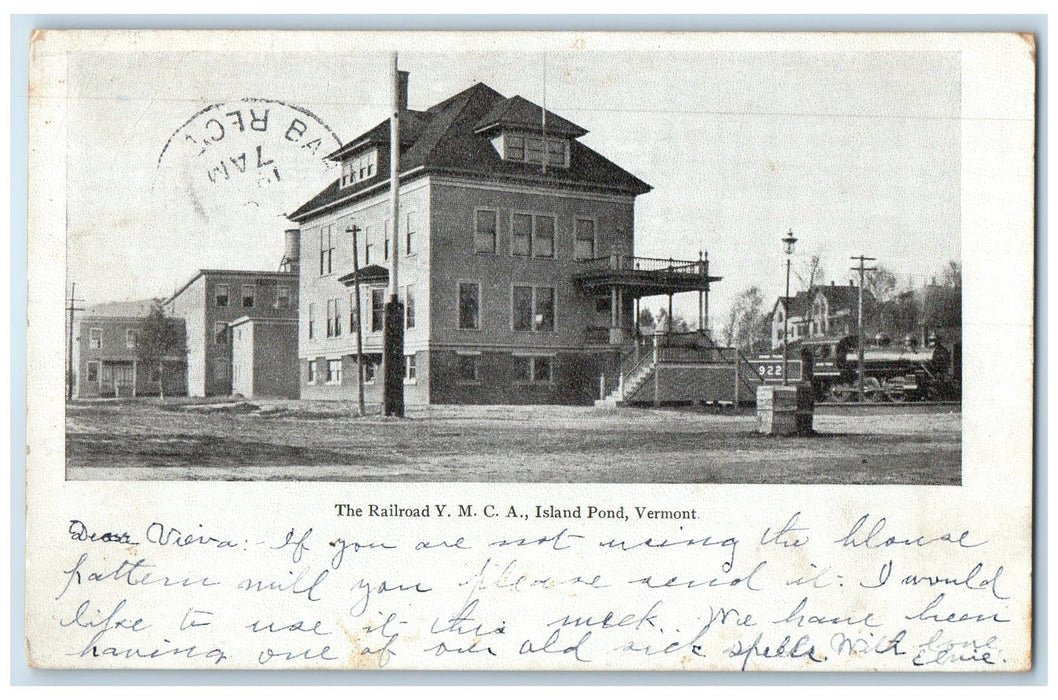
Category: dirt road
[327,441]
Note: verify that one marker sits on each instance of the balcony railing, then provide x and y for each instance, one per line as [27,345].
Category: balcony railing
[634,262]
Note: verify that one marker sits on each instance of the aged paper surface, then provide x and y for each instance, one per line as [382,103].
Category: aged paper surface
[284,534]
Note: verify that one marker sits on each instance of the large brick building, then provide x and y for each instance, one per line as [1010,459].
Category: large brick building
[515,245]
[208,304]
[105,358]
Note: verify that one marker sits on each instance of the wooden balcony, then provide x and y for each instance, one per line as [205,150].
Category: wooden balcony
[643,277]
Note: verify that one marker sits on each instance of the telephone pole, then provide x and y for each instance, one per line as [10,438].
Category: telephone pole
[859,323]
[71,309]
[354,229]
[393,328]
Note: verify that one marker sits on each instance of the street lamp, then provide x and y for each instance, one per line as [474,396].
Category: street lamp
[788,246]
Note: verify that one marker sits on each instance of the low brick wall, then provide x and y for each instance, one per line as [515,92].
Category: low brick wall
[689,384]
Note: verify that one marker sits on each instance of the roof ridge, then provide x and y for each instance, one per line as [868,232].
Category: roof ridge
[467,95]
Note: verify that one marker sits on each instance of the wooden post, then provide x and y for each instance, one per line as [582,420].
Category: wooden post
[737,366]
[657,374]
[393,330]
[354,229]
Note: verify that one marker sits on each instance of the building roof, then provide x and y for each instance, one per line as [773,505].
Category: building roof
[207,272]
[519,113]
[844,296]
[121,309]
[369,274]
[797,305]
[452,138]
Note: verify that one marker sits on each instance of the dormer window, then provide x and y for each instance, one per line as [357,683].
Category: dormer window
[359,168]
[529,148]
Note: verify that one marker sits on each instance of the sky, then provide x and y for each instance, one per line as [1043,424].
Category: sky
[856,152]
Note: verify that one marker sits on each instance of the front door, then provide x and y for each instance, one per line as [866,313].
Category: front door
[117,379]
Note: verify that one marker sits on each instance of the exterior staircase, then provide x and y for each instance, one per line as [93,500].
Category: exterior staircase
[629,386]
[682,372]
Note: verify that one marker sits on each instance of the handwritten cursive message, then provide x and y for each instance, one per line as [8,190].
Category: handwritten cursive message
[423,585]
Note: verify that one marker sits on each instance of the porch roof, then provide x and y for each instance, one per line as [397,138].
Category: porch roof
[643,277]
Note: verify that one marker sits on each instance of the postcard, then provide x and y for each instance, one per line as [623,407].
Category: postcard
[530,351]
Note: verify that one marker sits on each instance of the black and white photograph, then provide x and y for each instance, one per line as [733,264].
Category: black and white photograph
[530,351]
[663,268]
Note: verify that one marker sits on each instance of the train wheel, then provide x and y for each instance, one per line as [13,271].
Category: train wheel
[897,394]
[873,391]
[840,394]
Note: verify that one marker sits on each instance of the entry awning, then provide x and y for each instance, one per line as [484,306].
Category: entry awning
[369,274]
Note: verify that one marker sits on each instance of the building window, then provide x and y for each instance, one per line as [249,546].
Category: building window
[95,338]
[535,369]
[334,371]
[221,295]
[247,296]
[521,232]
[409,368]
[363,167]
[326,250]
[370,370]
[367,245]
[130,338]
[544,236]
[378,309]
[485,231]
[353,321]
[541,369]
[533,309]
[312,320]
[220,332]
[93,372]
[584,240]
[533,235]
[409,234]
[282,297]
[467,368]
[515,147]
[334,318]
[556,152]
[469,306]
[532,149]
[312,372]
[409,306]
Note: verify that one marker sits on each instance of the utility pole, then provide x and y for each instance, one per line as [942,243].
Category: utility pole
[354,229]
[859,323]
[71,309]
[393,329]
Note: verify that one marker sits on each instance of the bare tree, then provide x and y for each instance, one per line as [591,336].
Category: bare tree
[952,274]
[745,327]
[159,339]
[646,318]
[880,283]
[678,323]
[811,273]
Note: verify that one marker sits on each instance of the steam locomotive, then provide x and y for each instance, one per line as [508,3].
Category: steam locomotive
[891,372]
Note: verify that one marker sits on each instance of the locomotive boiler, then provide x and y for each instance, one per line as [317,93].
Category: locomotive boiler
[891,372]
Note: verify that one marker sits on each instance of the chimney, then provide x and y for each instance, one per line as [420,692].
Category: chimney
[291,250]
[402,90]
